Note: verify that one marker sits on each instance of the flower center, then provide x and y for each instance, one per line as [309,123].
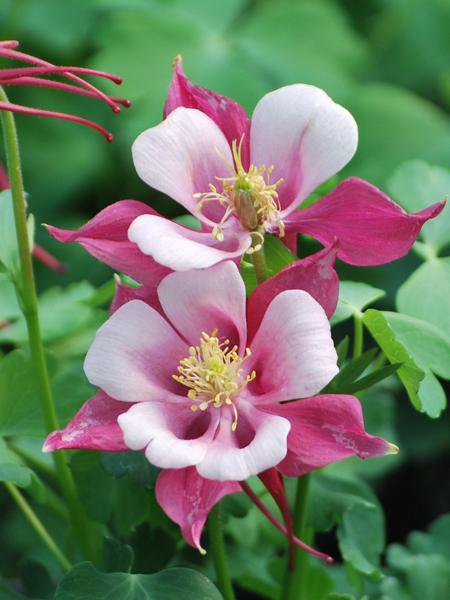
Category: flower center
[250,195]
[213,374]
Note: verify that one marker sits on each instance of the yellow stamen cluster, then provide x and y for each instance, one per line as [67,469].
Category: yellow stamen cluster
[250,195]
[213,374]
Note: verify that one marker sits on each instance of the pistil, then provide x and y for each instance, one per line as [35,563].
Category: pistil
[249,194]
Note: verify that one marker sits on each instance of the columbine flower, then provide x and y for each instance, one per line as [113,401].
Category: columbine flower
[243,179]
[208,390]
[32,76]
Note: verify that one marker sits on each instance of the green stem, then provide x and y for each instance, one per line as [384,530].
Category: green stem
[260,266]
[27,293]
[295,579]
[37,525]
[218,552]
[358,339]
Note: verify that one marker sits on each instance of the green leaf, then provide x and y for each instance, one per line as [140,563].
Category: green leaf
[119,464]
[9,306]
[407,24]
[354,297]
[429,346]
[348,374]
[361,537]
[11,468]
[20,409]
[116,556]
[409,373]
[6,593]
[309,39]
[370,380]
[415,128]
[353,507]
[426,292]
[415,185]
[85,582]
[122,499]
[62,312]
[9,252]
[417,344]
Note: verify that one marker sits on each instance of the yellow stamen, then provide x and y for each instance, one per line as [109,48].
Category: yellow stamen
[213,374]
[249,195]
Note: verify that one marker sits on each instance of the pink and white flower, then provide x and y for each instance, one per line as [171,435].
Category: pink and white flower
[209,392]
[242,179]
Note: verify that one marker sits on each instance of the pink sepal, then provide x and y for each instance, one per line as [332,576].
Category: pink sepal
[228,114]
[370,228]
[187,498]
[94,427]
[314,274]
[324,430]
[106,237]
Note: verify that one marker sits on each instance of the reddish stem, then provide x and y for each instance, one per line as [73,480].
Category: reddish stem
[275,485]
[16,55]
[4,179]
[266,512]
[65,87]
[26,110]
[47,259]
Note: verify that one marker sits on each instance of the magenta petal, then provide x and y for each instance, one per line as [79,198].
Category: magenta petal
[126,293]
[314,275]
[94,427]
[187,498]
[106,237]
[225,112]
[370,228]
[324,430]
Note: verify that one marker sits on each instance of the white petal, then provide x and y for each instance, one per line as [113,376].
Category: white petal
[226,461]
[203,300]
[293,352]
[306,137]
[134,355]
[180,248]
[160,428]
[182,155]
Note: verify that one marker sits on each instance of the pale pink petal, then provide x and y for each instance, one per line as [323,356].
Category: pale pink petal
[94,427]
[106,237]
[292,351]
[183,155]
[187,498]
[173,436]
[314,274]
[225,112]
[324,430]
[306,137]
[134,355]
[370,228]
[257,444]
[204,300]
[181,248]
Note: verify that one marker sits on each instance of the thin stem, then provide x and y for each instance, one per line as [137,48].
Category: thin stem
[218,552]
[259,264]
[27,293]
[37,525]
[295,579]
[276,523]
[358,339]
